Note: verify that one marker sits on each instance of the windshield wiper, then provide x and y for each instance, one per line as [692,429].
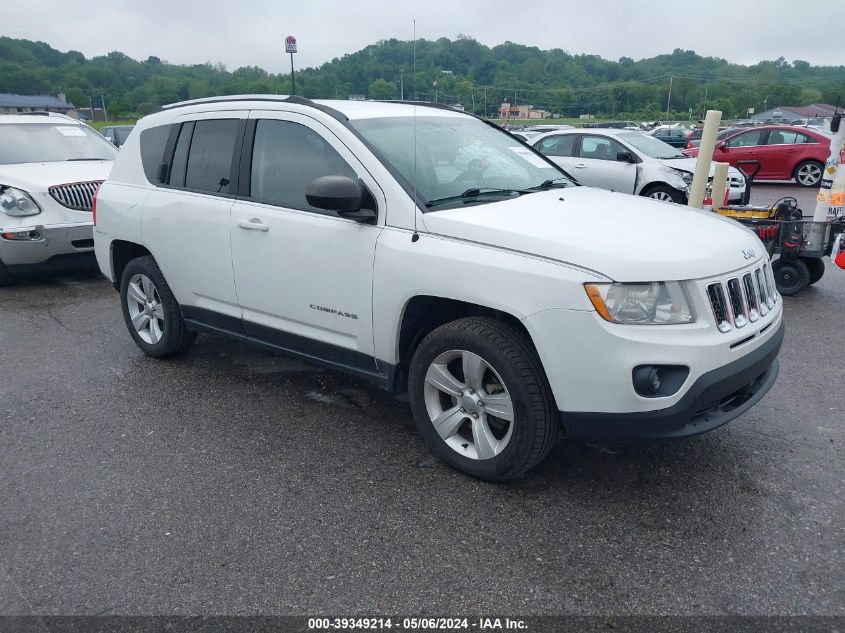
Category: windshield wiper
[673,157]
[474,192]
[551,182]
[70,159]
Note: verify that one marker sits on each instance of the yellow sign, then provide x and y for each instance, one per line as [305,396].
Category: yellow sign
[822,197]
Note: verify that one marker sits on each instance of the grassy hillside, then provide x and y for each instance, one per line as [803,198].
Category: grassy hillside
[464,71]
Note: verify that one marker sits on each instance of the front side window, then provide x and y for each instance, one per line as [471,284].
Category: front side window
[51,142]
[209,155]
[559,145]
[286,157]
[747,139]
[600,148]
[449,160]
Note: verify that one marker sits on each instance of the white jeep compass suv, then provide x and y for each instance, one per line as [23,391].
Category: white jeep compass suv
[422,247]
[50,167]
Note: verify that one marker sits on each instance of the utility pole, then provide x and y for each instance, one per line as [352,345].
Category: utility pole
[669,100]
[485,102]
[435,90]
[401,84]
[103,101]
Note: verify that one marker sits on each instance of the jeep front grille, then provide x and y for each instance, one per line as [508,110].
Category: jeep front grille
[78,195]
[738,301]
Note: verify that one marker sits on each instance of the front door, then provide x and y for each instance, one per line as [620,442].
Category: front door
[303,275]
[596,164]
[743,147]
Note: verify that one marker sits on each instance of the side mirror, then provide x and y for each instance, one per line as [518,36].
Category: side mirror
[341,194]
[721,145]
[625,157]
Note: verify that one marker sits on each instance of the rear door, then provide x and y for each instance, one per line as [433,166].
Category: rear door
[783,150]
[186,218]
[596,165]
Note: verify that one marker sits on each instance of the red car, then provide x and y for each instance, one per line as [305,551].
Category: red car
[784,152]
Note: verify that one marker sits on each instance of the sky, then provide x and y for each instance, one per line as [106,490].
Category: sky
[252,32]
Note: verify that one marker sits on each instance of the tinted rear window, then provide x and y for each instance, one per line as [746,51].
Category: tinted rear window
[153,141]
[210,157]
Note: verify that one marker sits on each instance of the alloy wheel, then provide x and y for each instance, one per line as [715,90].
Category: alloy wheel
[468,404]
[145,308]
[809,174]
[662,196]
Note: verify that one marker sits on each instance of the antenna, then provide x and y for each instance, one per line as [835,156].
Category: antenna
[416,235]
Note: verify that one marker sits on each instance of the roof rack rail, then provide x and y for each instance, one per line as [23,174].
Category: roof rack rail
[58,115]
[294,99]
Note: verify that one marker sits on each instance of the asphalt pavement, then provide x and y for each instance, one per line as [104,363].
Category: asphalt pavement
[235,481]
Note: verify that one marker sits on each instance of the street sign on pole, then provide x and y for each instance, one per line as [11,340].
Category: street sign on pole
[290,47]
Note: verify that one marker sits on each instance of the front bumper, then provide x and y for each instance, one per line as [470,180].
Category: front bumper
[716,398]
[53,242]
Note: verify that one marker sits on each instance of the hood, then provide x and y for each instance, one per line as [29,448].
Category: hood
[38,177]
[688,165]
[624,237]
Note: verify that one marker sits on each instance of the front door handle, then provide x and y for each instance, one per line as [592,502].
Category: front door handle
[253,225]
[580,166]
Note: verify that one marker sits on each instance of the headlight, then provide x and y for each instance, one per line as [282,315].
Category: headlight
[686,177]
[17,203]
[654,303]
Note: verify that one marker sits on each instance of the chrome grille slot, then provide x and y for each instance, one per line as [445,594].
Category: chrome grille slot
[761,291]
[78,195]
[737,303]
[752,300]
[719,305]
[770,286]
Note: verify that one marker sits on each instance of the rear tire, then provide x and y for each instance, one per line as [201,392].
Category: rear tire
[6,278]
[808,174]
[791,276]
[151,312]
[497,375]
[816,267]
[664,193]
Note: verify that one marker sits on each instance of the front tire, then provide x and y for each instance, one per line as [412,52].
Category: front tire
[791,276]
[808,173]
[151,312]
[481,400]
[664,193]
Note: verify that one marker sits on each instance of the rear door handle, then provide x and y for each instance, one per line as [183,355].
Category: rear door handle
[253,225]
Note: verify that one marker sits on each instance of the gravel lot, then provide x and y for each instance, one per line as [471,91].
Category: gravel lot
[235,481]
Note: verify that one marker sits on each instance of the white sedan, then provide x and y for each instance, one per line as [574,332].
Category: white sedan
[627,161]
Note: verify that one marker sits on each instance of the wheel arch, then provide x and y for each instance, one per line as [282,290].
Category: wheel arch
[656,184]
[422,314]
[121,252]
